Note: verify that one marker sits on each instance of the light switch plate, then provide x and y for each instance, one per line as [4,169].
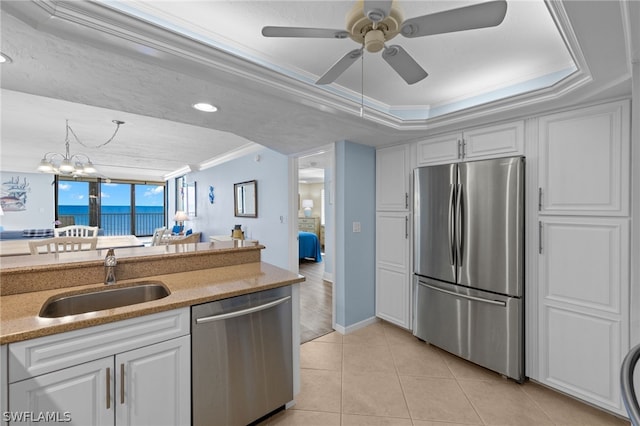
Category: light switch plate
[356,227]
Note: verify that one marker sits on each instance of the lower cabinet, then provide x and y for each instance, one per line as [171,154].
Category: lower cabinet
[584,292]
[393,268]
[145,385]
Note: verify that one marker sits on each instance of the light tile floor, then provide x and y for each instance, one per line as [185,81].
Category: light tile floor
[382,375]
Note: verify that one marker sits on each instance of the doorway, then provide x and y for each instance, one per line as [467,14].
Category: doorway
[315,231]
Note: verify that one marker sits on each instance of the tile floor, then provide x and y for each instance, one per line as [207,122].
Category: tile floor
[382,375]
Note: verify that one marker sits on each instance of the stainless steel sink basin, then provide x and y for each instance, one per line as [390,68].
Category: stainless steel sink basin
[104,298]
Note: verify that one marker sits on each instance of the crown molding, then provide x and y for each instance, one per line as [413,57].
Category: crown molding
[182,52]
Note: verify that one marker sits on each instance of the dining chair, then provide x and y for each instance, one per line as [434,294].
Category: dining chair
[62,244]
[158,233]
[76,231]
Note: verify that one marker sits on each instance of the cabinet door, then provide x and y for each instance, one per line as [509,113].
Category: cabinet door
[80,395]
[584,319]
[440,150]
[493,141]
[584,161]
[392,178]
[153,385]
[393,268]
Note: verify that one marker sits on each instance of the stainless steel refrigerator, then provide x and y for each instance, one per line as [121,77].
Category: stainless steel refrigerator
[469,261]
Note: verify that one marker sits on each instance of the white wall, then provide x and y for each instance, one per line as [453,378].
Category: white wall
[217,218]
[38,200]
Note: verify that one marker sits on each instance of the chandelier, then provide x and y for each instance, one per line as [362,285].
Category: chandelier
[76,164]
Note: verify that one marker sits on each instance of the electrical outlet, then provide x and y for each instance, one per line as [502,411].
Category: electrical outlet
[356,227]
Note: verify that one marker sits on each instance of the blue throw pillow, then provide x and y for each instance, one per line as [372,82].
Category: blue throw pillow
[189,232]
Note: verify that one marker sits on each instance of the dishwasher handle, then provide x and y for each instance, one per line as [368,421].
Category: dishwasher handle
[242,312]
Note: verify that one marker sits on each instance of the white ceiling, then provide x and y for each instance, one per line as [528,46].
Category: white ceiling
[92,64]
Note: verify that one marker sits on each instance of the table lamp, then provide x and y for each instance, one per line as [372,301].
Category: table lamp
[307,205]
[180,218]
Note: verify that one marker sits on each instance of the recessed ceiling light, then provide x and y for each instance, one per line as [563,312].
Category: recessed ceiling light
[4,59]
[202,106]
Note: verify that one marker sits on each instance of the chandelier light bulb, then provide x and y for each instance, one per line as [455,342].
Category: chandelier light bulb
[66,166]
[45,166]
[89,168]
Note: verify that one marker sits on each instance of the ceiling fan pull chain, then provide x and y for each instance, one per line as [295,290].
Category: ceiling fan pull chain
[362,88]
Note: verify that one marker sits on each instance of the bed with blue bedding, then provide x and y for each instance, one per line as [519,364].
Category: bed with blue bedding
[309,246]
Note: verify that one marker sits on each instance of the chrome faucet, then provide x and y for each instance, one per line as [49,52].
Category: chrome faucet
[110,267]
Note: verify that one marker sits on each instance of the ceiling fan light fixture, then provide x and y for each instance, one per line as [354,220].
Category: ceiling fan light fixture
[374,41]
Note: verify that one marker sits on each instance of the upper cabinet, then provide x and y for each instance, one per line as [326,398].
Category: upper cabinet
[393,171]
[474,144]
[584,161]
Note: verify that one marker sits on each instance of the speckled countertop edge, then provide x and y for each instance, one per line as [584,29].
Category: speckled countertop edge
[19,318]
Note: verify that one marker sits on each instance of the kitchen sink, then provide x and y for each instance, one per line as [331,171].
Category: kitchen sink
[104,298]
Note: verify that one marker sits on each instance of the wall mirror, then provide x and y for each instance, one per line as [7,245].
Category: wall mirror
[245,196]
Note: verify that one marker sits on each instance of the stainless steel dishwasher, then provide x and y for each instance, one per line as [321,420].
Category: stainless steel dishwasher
[241,357]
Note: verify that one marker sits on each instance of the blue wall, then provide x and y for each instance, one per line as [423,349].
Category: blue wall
[271,173]
[355,177]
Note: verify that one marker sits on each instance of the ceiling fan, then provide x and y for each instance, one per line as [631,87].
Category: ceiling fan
[372,23]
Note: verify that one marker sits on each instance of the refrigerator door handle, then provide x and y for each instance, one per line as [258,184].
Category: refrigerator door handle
[450,225]
[459,224]
[464,296]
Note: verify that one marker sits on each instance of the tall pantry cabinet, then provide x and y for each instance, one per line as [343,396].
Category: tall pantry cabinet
[393,235]
[583,251]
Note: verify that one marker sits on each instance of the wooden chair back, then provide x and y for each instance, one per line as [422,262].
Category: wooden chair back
[62,244]
[76,231]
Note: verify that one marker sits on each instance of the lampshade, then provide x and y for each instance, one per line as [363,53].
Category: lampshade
[307,204]
[180,216]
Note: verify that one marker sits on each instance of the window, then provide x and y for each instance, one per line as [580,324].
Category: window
[118,207]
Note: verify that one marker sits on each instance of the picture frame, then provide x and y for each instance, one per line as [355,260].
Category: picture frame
[245,199]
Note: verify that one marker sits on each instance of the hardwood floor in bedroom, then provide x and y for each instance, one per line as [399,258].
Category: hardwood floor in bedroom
[315,301]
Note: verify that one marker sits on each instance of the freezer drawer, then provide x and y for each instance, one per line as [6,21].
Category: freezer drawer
[484,328]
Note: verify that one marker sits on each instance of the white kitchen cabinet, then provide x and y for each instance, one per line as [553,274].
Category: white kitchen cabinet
[153,384]
[393,235]
[499,140]
[583,261]
[131,372]
[584,286]
[584,161]
[393,178]
[393,268]
[82,395]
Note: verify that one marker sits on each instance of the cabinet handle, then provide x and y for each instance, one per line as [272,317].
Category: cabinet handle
[459,146]
[464,148]
[122,383]
[406,200]
[406,227]
[539,237]
[539,199]
[108,388]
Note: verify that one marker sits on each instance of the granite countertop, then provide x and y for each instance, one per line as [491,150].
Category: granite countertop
[19,318]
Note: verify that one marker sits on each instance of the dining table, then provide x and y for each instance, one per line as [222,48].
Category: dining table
[20,247]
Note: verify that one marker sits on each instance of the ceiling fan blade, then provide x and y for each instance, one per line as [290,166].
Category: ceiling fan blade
[481,15]
[377,10]
[339,67]
[403,64]
[303,32]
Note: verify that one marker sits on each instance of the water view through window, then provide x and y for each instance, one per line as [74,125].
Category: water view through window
[117,208]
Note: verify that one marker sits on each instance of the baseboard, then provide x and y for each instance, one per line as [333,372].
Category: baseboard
[328,276]
[357,326]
